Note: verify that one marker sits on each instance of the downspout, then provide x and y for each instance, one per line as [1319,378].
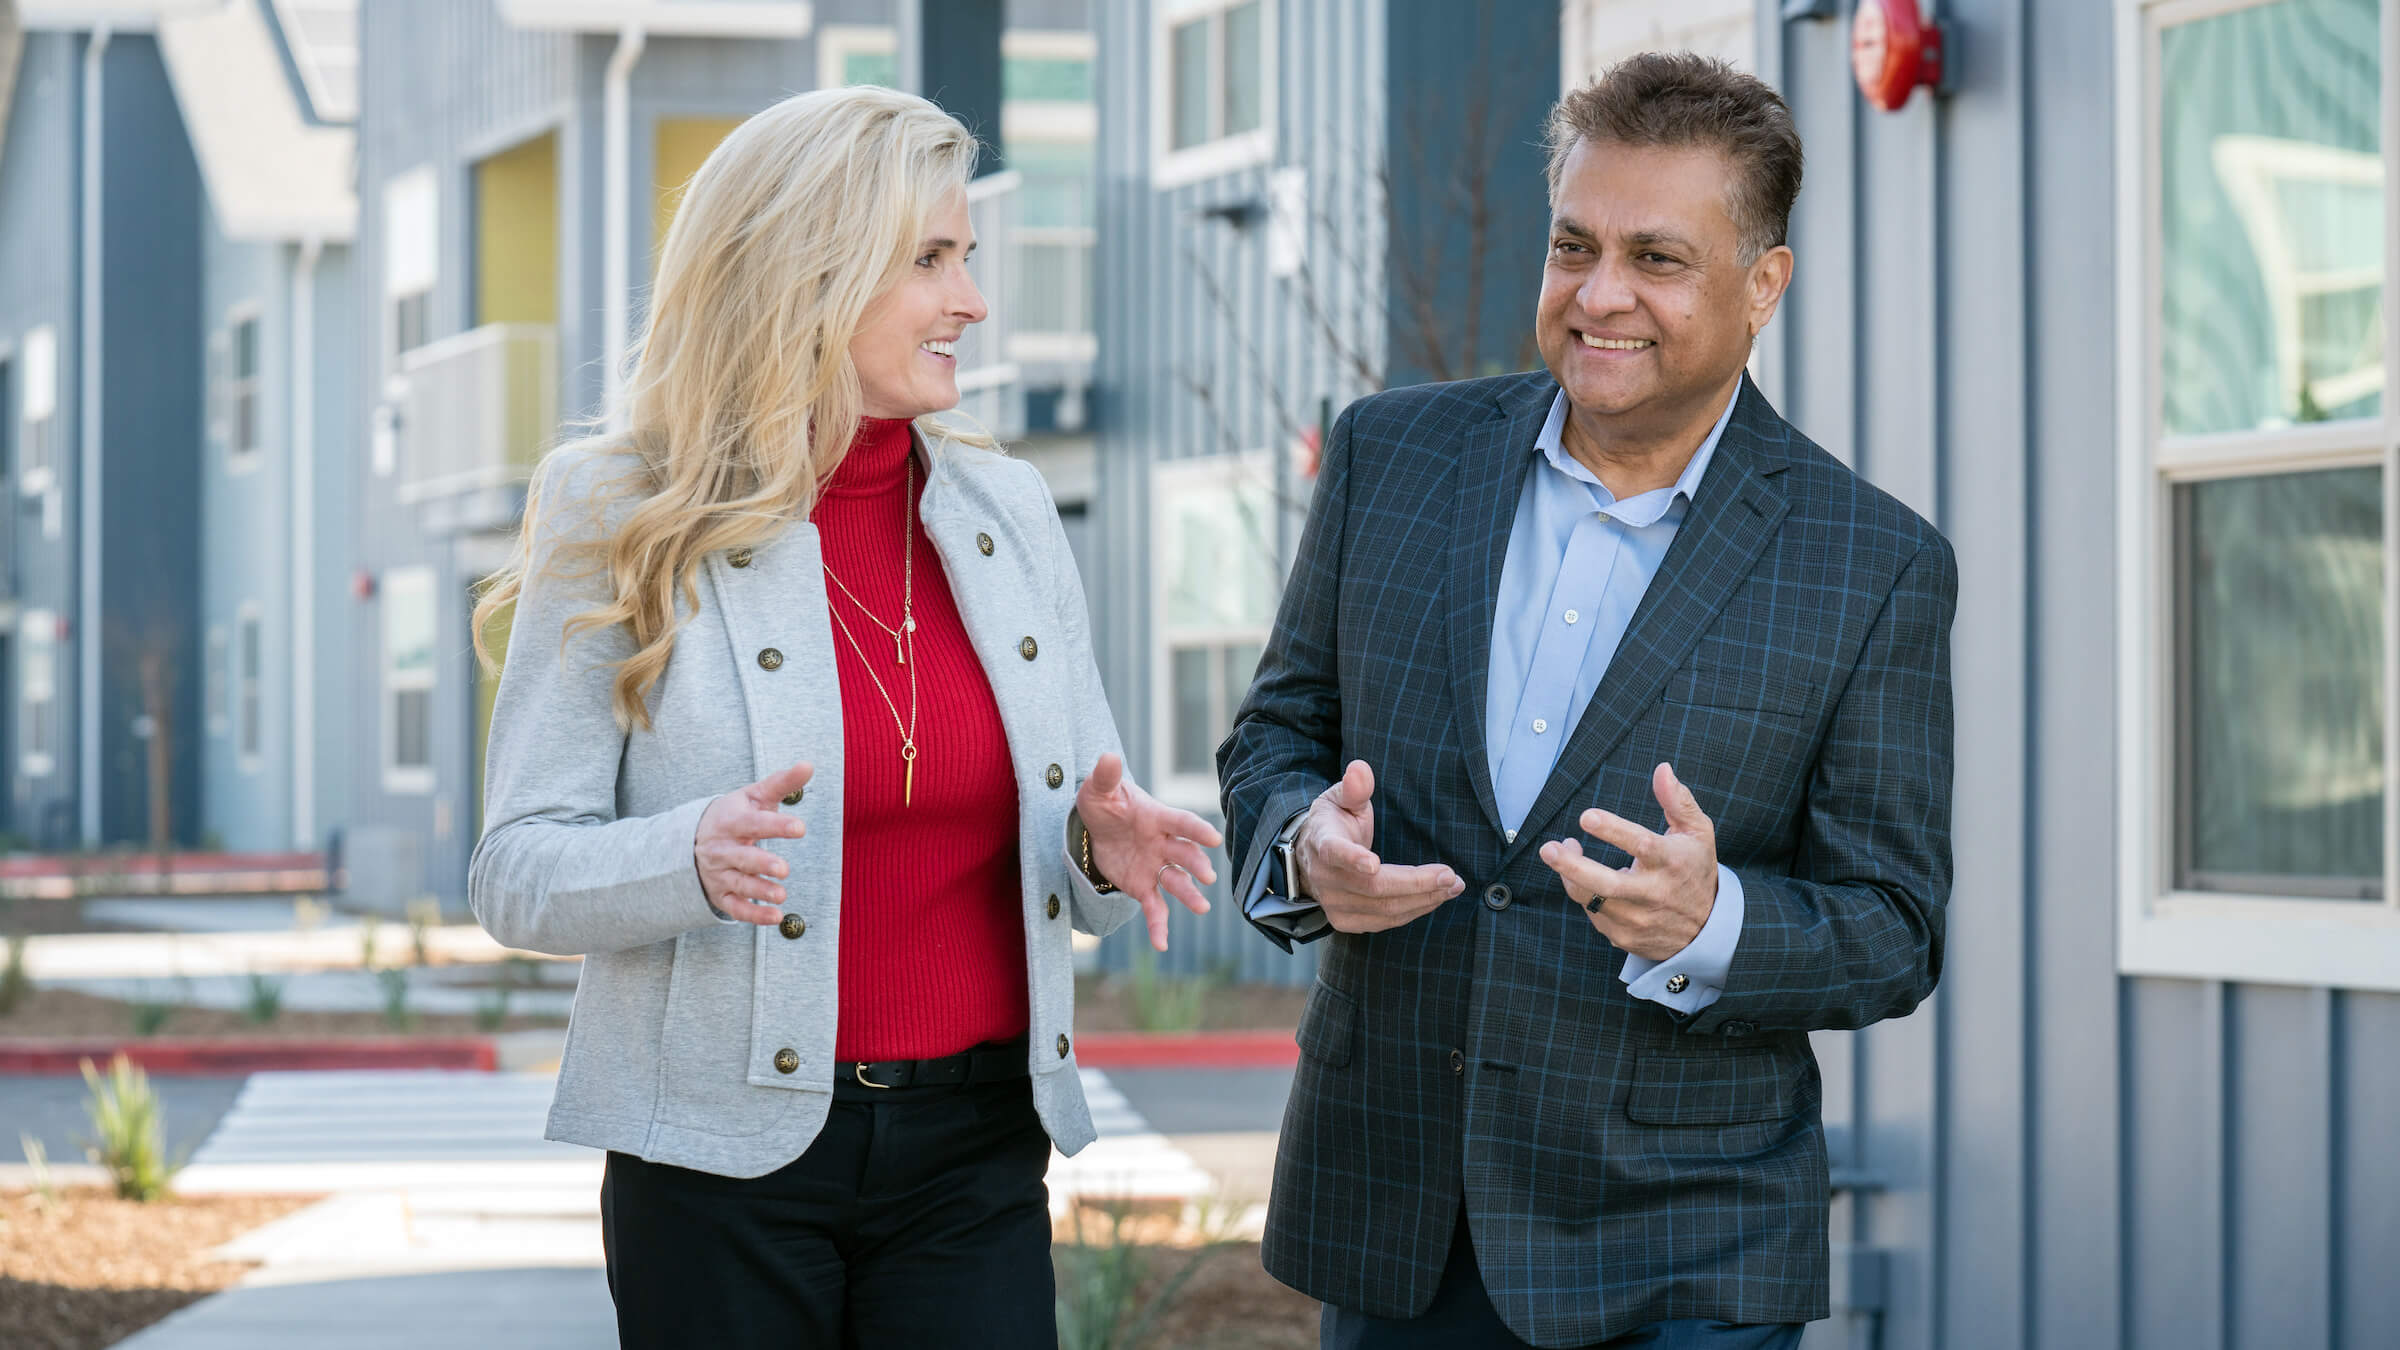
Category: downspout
[304,550]
[87,618]
[616,220]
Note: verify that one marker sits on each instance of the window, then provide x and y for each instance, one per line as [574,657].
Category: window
[1056,235]
[214,679]
[252,664]
[849,53]
[37,446]
[412,244]
[2262,455]
[1216,576]
[234,358]
[408,679]
[1215,96]
[37,690]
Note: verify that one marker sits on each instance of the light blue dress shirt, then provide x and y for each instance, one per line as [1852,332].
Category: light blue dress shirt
[1578,564]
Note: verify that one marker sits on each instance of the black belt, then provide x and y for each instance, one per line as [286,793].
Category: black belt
[990,1062]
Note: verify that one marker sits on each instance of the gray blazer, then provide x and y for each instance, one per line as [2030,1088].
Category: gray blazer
[681,1016]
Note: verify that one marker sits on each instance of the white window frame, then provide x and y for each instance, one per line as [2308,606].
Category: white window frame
[37,641]
[248,687]
[1173,168]
[410,779]
[838,42]
[216,682]
[37,409]
[232,387]
[1172,481]
[2163,930]
[408,279]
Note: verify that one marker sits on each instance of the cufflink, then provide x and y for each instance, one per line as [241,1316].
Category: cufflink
[1676,984]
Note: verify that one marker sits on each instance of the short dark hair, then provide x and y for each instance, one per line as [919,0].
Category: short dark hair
[1680,99]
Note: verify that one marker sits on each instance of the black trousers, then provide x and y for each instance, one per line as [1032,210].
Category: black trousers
[918,1218]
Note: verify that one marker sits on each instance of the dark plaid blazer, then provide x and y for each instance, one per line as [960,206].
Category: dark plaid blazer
[1620,1163]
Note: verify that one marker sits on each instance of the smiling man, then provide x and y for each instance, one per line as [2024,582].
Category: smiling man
[1605,734]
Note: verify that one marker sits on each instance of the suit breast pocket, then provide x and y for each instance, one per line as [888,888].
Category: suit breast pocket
[1741,689]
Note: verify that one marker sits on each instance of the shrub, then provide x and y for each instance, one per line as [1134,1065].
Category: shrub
[129,1133]
[1100,1283]
[37,1161]
[14,983]
[149,1014]
[370,928]
[1167,1002]
[424,915]
[492,1010]
[263,1000]
[395,998]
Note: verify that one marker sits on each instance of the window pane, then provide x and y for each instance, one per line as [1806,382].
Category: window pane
[2272,217]
[1220,550]
[1056,288]
[1057,182]
[408,619]
[1244,59]
[2283,721]
[1056,79]
[871,68]
[412,743]
[245,349]
[1190,83]
[1195,742]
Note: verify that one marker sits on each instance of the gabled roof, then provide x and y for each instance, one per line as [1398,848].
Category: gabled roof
[271,172]
[688,18]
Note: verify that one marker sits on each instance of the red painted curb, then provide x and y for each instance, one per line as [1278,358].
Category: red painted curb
[1187,1050]
[251,1054]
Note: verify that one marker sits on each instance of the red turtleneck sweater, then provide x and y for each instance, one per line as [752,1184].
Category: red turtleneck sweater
[933,929]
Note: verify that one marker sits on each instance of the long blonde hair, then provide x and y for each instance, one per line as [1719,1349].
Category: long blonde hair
[742,398]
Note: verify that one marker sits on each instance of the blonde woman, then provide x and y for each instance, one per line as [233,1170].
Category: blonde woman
[801,745]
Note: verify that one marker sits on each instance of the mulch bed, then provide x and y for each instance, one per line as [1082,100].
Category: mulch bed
[84,1269]
[1105,1003]
[1230,1300]
[68,1013]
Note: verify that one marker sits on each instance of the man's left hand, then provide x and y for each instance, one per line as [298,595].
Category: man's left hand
[1654,908]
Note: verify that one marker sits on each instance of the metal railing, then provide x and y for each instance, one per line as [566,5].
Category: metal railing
[479,409]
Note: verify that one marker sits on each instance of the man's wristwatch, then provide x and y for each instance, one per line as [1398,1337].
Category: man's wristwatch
[1286,840]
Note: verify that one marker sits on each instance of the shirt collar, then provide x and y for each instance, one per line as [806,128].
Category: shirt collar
[1553,447]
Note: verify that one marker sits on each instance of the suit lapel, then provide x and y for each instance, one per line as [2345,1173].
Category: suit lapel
[1492,465]
[1725,530]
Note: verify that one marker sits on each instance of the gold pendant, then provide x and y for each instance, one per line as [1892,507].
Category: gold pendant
[908,781]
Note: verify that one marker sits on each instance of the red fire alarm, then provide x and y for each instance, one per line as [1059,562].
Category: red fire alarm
[1893,49]
[362,584]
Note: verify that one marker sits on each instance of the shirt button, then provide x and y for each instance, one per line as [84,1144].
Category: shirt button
[792,926]
[1572,616]
[787,1060]
[1676,984]
[1540,725]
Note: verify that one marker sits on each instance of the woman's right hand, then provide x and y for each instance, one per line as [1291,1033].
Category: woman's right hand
[742,879]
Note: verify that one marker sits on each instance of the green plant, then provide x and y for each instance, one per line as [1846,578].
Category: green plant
[149,1014]
[262,1001]
[524,972]
[1100,1283]
[492,1010]
[370,929]
[424,915]
[14,983]
[129,1131]
[395,998]
[1167,1002]
[37,1161]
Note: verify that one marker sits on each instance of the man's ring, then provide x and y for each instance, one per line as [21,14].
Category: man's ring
[1592,906]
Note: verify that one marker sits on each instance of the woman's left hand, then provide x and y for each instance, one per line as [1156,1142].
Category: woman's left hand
[1147,849]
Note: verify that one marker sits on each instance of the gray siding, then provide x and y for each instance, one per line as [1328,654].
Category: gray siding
[2073,1158]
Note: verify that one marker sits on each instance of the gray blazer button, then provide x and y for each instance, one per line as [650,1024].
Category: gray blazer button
[1029,649]
[1053,775]
[1052,908]
[1062,1045]
[770,659]
[787,1060]
[1495,896]
[983,544]
[792,926]
[792,798]
[1676,984]
[740,557]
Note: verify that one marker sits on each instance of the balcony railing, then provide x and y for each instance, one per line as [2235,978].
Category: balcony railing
[479,410]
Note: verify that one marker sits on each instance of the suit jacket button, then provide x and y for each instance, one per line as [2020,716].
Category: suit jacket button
[1053,775]
[792,798]
[1062,1045]
[983,544]
[740,557]
[770,659]
[787,1060]
[792,926]
[1495,896]
[1738,1027]
[1676,984]
[1029,649]
[1052,908]
[1458,1062]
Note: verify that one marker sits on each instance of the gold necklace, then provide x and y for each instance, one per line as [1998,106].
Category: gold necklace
[904,639]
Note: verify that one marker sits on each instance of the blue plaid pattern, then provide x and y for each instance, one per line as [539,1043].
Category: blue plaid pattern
[1621,1163]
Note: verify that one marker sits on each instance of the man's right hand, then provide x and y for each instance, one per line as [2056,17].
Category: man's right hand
[741,878]
[1358,891]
